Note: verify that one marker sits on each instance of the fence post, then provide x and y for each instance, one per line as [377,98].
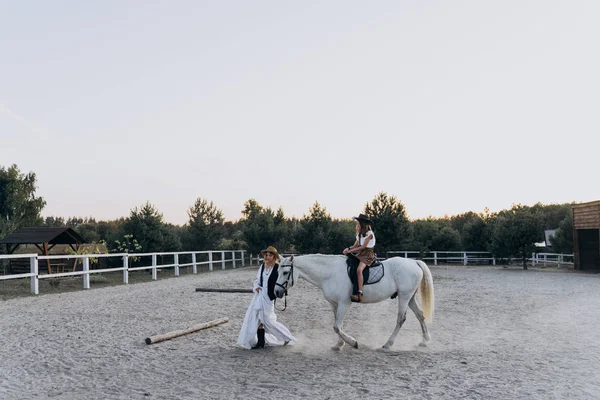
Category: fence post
[33,268]
[126,268]
[494,260]
[154,271]
[533,259]
[243,259]
[210,261]
[176,262]
[435,258]
[194,266]
[86,272]
[464,258]
[222,260]
[233,259]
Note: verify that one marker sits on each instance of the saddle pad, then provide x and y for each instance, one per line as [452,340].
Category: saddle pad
[375,274]
[371,275]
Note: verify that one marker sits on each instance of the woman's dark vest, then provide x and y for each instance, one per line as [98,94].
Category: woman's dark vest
[271,281]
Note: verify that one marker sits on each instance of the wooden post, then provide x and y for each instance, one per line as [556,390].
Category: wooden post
[77,246]
[222,260]
[195,328]
[86,272]
[224,290]
[154,275]
[194,266]
[210,261]
[33,268]
[47,260]
[176,262]
[126,269]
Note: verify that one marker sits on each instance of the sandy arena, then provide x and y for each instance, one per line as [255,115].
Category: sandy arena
[497,334]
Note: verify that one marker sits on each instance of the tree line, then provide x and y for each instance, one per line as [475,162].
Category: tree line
[508,233]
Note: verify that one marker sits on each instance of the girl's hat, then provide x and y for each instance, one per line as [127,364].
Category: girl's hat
[271,250]
[364,218]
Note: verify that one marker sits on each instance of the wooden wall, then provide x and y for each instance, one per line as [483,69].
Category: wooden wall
[586,215]
[586,219]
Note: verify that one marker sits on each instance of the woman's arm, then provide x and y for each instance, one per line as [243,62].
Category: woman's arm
[350,249]
[364,246]
[255,285]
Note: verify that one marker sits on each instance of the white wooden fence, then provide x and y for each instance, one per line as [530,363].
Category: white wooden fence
[478,257]
[35,276]
[552,258]
[463,257]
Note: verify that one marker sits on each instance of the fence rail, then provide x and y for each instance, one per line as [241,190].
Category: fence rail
[552,258]
[466,257]
[462,257]
[478,257]
[225,256]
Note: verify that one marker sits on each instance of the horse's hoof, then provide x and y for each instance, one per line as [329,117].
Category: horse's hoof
[336,348]
[422,344]
[355,345]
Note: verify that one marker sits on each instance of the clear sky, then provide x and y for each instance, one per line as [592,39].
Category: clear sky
[452,106]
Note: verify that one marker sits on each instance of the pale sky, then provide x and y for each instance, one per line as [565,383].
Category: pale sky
[452,106]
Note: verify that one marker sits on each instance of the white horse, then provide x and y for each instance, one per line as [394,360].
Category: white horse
[328,272]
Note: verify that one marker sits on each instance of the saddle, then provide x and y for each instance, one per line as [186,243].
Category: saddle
[372,274]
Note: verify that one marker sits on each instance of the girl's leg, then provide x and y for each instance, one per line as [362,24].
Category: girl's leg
[359,272]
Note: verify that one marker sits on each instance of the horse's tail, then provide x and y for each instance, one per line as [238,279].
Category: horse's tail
[427,294]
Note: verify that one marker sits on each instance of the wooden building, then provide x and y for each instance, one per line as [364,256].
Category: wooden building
[44,239]
[586,235]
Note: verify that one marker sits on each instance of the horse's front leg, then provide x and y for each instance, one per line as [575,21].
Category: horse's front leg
[340,343]
[337,325]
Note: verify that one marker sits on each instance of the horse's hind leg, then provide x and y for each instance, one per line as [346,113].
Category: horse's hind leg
[402,307]
[414,306]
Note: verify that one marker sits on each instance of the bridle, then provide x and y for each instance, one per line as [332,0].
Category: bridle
[284,286]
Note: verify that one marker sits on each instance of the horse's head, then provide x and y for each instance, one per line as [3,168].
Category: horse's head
[286,277]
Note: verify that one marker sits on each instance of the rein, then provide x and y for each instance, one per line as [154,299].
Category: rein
[284,286]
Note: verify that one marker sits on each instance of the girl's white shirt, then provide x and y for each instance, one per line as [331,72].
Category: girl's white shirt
[361,240]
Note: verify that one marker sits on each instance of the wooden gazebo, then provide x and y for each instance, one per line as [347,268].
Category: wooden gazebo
[586,235]
[44,239]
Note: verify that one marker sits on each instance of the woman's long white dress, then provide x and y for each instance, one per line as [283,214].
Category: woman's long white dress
[262,310]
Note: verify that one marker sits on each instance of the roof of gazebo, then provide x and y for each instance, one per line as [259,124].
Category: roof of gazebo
[62,235]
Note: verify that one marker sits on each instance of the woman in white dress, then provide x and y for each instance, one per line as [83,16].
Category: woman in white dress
[260,325]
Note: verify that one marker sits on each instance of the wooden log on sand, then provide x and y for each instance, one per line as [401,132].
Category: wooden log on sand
[224,290]
[195,328]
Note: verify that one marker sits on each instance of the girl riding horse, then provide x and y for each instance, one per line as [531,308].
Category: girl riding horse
[363,250]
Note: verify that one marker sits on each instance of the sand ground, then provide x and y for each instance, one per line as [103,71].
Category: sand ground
[497,334]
